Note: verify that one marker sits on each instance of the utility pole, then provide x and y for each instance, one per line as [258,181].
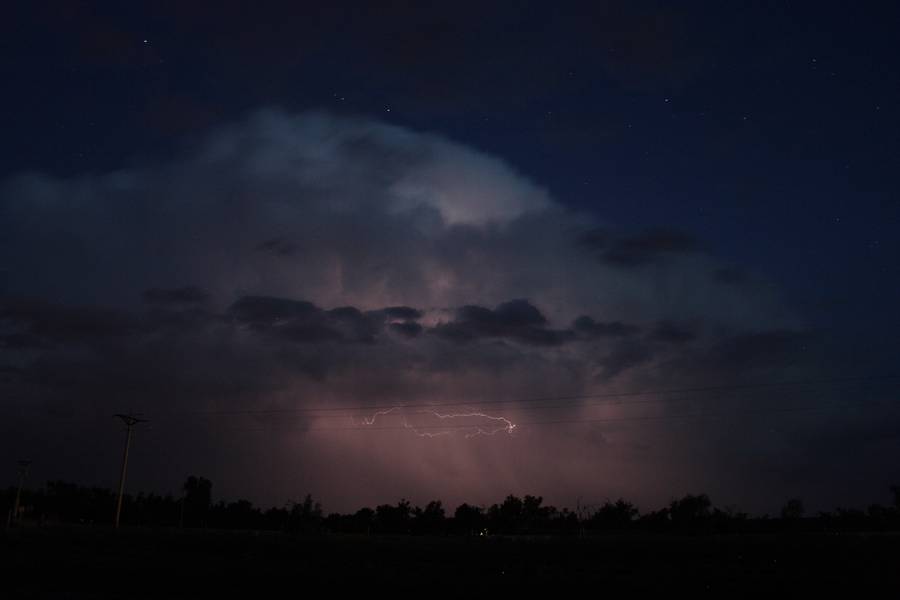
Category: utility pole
[23,473]
[181,515]
[130,421]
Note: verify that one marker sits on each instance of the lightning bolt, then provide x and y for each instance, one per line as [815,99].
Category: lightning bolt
[502,424]
[508,425]
[371,420]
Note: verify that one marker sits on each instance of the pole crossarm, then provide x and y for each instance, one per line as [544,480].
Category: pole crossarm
[130,421]
[23,473]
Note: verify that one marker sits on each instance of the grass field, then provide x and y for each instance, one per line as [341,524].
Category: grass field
[56,562]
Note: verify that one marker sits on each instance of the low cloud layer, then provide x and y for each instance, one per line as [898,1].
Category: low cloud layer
[291,262]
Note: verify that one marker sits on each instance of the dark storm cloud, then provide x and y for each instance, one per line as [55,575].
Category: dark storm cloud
[179,318]
[188,354]
[516,320]
[405,313]
[588,328]
[407,328]
[669,332]
[370,225]
[637,250]
[360,326]
[266,311]
[304,322]
[623,357]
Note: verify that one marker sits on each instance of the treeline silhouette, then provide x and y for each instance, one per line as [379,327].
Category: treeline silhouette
[61,502]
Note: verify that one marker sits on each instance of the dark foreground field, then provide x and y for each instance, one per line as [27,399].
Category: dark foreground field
[97,563]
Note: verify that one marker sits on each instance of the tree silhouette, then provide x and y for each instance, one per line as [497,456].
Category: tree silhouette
[618,515]
[533,514]
[393,519]
[506,517]
[305,517]
[690,510]
[431,519]
[240,514]
[63,502]
[469,519]
[793,509]
[196,501]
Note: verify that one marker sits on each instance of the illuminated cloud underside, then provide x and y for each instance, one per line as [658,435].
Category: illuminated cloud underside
[295,261]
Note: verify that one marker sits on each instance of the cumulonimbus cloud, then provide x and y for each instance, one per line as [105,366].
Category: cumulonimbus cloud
[301,260]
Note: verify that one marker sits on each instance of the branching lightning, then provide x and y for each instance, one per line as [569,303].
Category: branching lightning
[499,423]
[507,426]
[371,420]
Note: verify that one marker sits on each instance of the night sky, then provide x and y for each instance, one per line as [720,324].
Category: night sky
[581,251]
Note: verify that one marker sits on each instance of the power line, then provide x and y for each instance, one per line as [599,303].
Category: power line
[550,402]
[697,415]
[558,399]
[617,403]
